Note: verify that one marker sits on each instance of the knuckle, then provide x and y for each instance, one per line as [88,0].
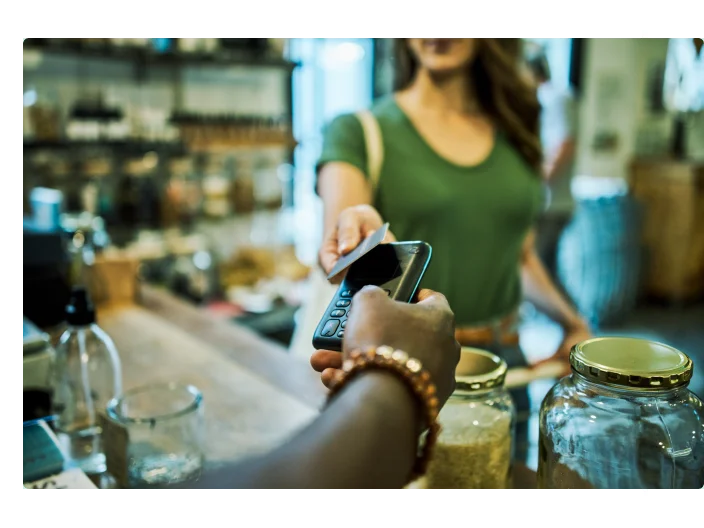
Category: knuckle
[362,208]
[345,217]
[441,297]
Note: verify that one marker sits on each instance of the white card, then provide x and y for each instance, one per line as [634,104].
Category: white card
[70,479]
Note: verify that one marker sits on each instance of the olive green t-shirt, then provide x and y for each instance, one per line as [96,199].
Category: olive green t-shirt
[474,217]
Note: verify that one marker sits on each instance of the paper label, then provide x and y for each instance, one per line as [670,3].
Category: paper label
[69,479]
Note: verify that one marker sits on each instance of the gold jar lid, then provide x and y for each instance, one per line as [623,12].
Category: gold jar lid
[631,363]
[479,370]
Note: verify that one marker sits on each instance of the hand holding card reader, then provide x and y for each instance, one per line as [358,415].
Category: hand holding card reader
[397,268]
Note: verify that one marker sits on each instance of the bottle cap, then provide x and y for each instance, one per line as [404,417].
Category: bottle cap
[80,310]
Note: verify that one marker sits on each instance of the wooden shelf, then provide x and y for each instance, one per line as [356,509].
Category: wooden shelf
[215,145]
[126,145]
[153,58]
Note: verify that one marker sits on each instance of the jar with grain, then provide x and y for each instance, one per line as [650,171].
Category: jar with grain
[475,446]
[624,418]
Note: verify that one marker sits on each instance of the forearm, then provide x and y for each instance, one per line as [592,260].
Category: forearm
[341,186]
[561,161]
[367,437]
[539,289]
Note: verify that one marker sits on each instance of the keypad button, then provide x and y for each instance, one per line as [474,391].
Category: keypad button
[330,328]
[347,293]
[343,303]
[343,323]
[337,313]
[341,334]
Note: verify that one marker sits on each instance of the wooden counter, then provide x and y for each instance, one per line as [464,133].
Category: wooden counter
[255,394]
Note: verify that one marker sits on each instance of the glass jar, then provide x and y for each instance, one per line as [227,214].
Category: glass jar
[216,188]
[165,428]
[182,197]
[138,194]
[475,446]
[623,419]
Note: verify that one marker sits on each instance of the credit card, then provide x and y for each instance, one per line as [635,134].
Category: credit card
[362,249]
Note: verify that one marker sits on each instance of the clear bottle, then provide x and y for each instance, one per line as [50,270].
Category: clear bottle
[87,375]
[475,446]
[623,419]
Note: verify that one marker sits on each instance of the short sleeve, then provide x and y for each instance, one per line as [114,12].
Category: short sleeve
[343,140]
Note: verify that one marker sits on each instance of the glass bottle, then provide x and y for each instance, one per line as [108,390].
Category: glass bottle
[475,446]
[87,375]
[623,419]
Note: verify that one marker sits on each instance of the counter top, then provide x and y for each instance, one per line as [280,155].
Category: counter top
[250,406]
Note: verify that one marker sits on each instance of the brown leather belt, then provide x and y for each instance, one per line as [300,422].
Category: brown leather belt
[502,332]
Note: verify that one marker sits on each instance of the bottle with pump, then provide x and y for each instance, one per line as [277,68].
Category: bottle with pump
[87,376]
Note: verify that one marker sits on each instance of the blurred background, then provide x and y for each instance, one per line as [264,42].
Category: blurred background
[192,162]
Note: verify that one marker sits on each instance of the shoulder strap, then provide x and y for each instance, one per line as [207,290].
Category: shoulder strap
[375,146]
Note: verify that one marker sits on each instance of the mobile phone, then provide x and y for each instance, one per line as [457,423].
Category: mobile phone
[397,268]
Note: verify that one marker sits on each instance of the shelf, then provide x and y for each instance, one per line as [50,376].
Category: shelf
[172,147]
[126,145]
[214,146]
[153,58]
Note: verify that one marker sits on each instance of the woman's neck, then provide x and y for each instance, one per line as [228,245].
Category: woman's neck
[448,94]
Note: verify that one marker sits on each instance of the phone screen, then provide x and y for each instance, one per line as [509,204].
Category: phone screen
[380,265]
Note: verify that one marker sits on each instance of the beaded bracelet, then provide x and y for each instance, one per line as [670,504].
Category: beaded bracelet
[417,379]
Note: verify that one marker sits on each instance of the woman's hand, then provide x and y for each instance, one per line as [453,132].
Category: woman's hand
[354,224]
[573,334]
[425,330]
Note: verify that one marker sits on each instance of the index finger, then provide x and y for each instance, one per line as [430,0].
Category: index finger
[349,235]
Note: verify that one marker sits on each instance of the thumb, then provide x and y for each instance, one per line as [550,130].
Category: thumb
[348,232]
[389,237]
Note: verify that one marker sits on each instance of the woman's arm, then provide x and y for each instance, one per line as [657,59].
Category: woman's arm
[539,289]
[341,185]
[348,217]
[563,158]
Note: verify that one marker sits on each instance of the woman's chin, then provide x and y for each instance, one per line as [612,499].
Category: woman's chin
[444,68]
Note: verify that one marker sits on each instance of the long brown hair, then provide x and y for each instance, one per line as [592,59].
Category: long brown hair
[503,92]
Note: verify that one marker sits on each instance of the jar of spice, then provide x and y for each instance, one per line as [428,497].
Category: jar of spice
[623,419]
[216,189]
[474,449]
[95,194]
[243,189]
[138,195]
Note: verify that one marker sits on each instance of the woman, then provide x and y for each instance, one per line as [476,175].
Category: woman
[461,171]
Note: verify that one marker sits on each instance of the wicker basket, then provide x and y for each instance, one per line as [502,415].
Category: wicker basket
[672,195]
[113,280]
